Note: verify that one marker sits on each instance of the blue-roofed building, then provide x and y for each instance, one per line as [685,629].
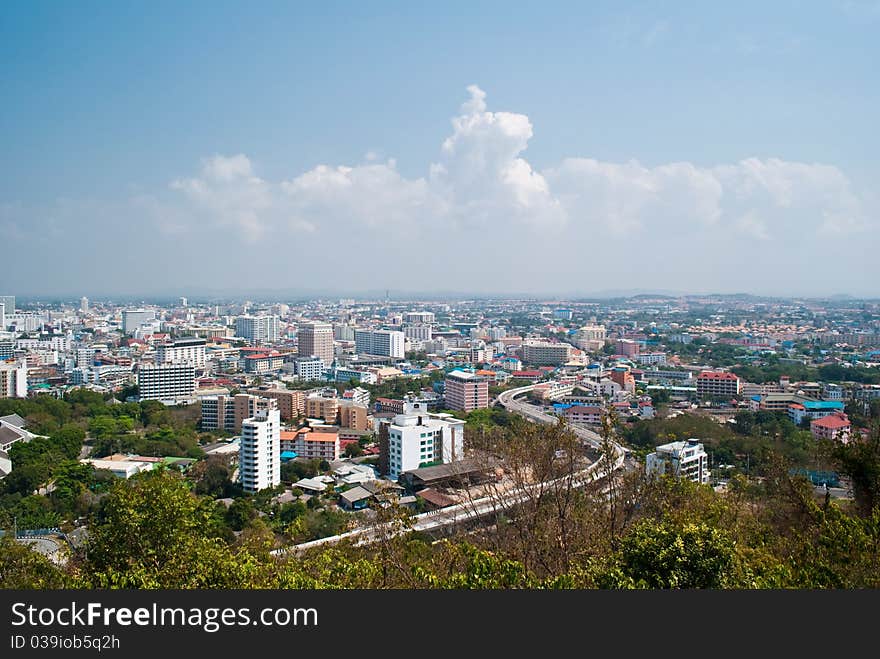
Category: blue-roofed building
[288,455]
[813,409]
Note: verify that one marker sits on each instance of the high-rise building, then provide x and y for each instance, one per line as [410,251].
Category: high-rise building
[683,459]
[84,304]
[13,379]
[466,391]
[417,438]
[8,301]
[166,381]
[2,317]
[257,329]
[316,340]
[183,301]
[188,349]
[387,343]
[134,318]
[260,451]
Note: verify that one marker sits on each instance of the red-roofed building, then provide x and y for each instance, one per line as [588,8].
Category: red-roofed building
[836,427]
[532,376]
[718,384]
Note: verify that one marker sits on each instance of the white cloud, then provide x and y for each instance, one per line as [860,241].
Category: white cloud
[481,204]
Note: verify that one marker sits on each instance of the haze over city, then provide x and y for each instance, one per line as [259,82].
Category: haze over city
[353,149]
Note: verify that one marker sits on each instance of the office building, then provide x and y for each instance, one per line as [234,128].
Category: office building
[166,381]
[316,340]
[260,452]
[13,379]
[417,438]
[8,302]
[466,391]
[683,459]
[84,304]
[257,329]
[134,318]
[388,343]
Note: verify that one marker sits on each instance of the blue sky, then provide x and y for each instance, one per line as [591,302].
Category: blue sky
[133,132]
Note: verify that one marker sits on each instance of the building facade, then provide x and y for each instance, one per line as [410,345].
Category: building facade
[466,391]
[166,381]
[260,452]
[184,350]
[717,384]
[418,438]
[316,340]
[387,343]
[544,353]
[257,329]
[134,318]
[683,459]
[13,379]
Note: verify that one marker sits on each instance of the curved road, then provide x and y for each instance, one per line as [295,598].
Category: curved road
[479,507]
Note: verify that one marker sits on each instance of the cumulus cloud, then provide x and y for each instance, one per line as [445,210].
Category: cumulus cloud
[482,179]
[479,190]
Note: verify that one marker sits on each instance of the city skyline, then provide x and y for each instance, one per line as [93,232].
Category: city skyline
[523,165]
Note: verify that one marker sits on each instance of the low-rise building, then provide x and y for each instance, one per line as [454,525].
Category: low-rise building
[836,427]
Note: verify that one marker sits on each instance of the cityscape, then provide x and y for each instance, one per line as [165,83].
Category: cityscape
[312,421]
[354,298]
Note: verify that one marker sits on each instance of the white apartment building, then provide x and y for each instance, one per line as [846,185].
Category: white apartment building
[683,459]
[418,332]
[257,329]
[651,358]
[343,332]
[13,379]
[589,336]
[388,343]
[316,340]
[134,318]
[260,452]
[309,368]
[419,317]
[166,381]
[543,353]
[184,350]
[417,438]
